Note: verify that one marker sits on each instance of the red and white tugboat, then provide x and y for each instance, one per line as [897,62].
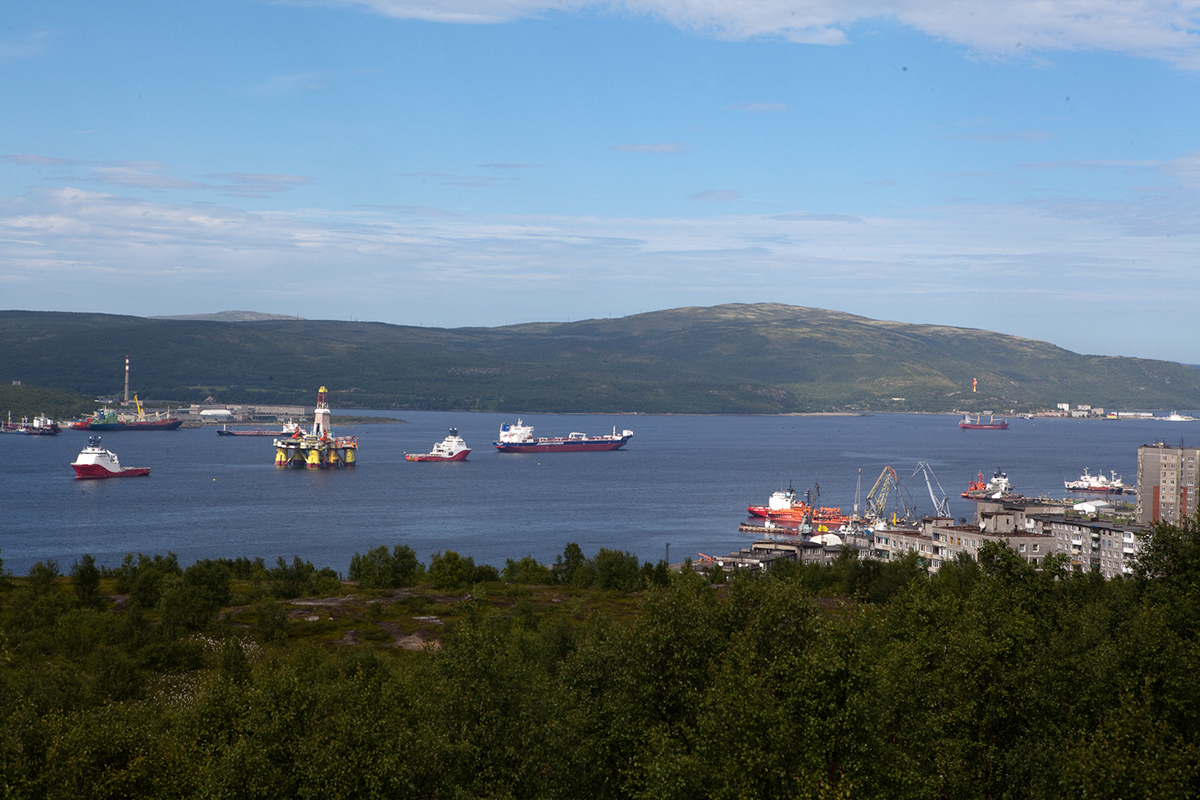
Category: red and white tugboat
[96,462]
[452,448]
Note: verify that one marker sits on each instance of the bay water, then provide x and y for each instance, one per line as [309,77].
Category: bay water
[682,480]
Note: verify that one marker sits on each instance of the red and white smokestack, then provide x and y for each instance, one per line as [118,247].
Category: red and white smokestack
[126,380]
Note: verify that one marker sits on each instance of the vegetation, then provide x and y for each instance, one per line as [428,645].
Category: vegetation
[765,358]
[29,401]
[603,680]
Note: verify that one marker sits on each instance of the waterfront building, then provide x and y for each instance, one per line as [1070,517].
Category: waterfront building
[939,540]
[1166,483]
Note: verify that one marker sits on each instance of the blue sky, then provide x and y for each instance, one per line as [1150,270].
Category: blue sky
[1025,167]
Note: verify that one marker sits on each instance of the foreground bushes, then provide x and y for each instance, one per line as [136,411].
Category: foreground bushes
[986,680]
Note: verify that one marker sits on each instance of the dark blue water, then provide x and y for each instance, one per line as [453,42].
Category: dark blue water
[682,479]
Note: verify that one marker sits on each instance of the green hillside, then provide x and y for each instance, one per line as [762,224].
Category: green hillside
[764,358]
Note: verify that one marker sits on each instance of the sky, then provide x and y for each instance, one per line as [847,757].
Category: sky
[1030,167]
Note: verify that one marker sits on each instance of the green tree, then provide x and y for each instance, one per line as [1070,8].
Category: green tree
[451,571]
[379,569]
[85,578]
[569,564]
[528,570]
[617,570]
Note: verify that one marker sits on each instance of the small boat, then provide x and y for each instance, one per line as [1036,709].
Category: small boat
[41,426]
[519,438]
[289,428]
[1099,484]
[978,423]
[1175,416]
[452,448]
[96,462]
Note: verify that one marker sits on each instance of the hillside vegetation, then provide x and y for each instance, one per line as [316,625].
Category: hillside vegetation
[765,358]
[595,678]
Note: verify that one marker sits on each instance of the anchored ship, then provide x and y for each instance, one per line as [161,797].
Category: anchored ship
[105,419]
[977,423]
[1100,484]
[519,438]
[41,426]
[452,448]
[96,462]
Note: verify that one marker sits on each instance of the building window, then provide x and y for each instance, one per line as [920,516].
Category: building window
[1035,548]
[1022,548]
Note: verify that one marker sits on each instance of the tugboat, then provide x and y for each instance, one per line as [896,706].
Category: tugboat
[96,462]
[452,448]
[519,439]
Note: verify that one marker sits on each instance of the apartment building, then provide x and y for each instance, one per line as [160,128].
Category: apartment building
[1166,483]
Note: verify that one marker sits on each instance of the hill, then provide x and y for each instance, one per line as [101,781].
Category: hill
[763,358]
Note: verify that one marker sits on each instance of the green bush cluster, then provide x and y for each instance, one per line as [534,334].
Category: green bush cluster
[990,679]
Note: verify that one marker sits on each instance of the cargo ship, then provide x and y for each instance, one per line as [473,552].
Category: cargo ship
[452,448]
[519,438]
[978,423]
[41,426]
[96,462]
[105,419]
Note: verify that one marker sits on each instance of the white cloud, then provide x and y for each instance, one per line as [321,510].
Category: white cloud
[30,45]
[1161,29]
[1008,268]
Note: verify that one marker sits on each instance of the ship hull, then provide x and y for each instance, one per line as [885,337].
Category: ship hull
[95,471]
[29,430]
[994,426]
[247,433]
[562,446]
[423,457]
[149,425]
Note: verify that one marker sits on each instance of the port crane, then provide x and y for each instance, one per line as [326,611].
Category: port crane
[940,507]
[886,484]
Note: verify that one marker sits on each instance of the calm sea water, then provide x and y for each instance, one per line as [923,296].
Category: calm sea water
[685,480]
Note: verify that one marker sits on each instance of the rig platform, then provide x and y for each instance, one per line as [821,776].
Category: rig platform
[319,448]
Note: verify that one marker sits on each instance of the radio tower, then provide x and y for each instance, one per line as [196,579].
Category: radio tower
[126,381]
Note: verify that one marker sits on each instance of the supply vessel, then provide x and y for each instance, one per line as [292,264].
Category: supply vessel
[452,448]
[96,462]
[519,438]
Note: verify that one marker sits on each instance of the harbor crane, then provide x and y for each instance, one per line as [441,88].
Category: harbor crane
[940,507]
[877,499]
